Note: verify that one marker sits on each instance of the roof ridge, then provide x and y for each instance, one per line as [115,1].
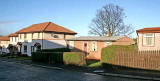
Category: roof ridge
[46,26]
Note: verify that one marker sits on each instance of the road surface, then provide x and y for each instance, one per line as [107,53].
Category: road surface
[11,71]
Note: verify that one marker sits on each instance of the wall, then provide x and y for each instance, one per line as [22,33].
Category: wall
[124,41]
[48,36]
[14,40]
[4,45]
[78,46]
[156,46]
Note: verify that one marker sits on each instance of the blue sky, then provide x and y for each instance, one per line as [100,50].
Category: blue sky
[73,14]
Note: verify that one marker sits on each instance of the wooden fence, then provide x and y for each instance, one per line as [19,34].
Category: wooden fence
[138,59]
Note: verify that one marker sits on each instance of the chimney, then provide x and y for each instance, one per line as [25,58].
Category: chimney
[108,33]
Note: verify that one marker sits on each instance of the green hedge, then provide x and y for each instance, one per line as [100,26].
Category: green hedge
[108,54]
[74,58]
[56,50]
[71,58]
[55,57]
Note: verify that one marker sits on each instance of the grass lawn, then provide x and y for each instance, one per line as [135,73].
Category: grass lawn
[94,63]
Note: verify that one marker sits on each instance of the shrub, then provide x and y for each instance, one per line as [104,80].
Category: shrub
[23,55]
[108,54]
[74,58]
[55,57]
[49,57]
[4,55]
[39,57]
[70,58]
[56,50]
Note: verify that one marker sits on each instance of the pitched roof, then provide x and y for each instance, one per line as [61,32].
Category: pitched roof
[149,30]
[46,27]
[4,38]
[13,35]
[97,38]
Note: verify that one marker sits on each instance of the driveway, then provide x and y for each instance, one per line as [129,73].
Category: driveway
[11,71]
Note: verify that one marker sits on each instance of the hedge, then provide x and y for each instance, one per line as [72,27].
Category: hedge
[74,58]
[69,58]
[56,50]
[108,53]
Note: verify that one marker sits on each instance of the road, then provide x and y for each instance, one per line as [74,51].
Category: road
[11,71]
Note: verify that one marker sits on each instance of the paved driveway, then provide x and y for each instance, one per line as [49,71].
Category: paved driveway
[10,71]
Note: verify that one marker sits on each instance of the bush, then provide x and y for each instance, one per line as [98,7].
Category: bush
[56,50]
[23,55]
[108,54]
[54,57]
[70,58]
[74,58]
[39,57]
[4,55]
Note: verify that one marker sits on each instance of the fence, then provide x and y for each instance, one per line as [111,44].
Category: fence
[138,59]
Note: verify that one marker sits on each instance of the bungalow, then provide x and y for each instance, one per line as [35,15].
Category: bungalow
[148,39]
[92,45]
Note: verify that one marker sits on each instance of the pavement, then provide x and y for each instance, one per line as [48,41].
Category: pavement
[14,71]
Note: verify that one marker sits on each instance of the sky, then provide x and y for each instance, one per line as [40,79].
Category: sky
[74,14]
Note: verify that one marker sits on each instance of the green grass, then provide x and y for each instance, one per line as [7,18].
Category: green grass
[93,63]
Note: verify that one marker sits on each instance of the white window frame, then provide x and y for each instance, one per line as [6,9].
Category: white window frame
[145,42]
[94,46]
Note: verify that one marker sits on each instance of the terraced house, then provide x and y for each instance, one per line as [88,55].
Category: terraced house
[39,36]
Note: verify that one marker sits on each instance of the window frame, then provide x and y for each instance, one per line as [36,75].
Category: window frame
[145,39]
[95,46]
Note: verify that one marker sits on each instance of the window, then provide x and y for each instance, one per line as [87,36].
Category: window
[94,46]
[15,39]
[25,48]
[148,39]
[107,44]
[54,35]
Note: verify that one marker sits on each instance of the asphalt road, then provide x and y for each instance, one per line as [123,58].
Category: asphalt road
[10,71]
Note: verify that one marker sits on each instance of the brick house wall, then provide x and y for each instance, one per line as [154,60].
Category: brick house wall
[79,46]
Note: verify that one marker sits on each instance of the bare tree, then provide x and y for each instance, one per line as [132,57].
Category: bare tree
[110,18]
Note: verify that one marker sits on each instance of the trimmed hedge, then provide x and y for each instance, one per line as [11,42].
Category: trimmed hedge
[74,58]
[70,58]
[55,57]
[56,50]
[108,54]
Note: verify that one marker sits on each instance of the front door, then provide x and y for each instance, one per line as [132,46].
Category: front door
[85,48]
